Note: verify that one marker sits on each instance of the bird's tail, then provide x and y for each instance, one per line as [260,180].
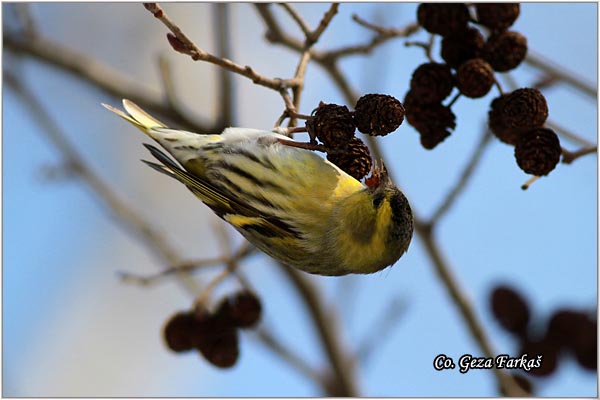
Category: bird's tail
[136,116]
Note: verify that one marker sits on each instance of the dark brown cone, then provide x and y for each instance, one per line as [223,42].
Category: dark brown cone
[432,82]
[245,309]
[355,160]
[505,51]
[538,151]
[378,114]
[443,18]
[220,346]
[433,121]
[586,345]
[497,16]
[475,78]
[525,109]
[563,327]
[217,339]
[179,332]
[431,136]
[413,108]
[510,310]
[457,49]
[332,124]
[574,330]
[497,124]
[548,351]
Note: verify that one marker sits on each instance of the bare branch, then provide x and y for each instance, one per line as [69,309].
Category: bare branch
[188,267]
[314,36]
[427,46]
[296,17]
[223,38]
[568,134]
[569,156]
[568,77]
[101,76]
[383,35]
[23,11]
[379,331]
[387,32]
[292,359]
[465,176]
[166,75]
[274,32]
[181,43]
[328,333]
[467,312]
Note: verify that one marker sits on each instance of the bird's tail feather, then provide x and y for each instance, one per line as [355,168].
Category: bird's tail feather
[136,116]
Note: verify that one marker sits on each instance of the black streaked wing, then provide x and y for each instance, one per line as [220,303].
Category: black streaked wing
[219,202]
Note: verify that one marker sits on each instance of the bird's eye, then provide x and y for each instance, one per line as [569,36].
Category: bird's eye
[378,199]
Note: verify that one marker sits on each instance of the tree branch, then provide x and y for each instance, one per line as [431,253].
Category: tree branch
[345,385]
[569,156]
[466,310]
[110,81]
[559,73]
[465,176]
[181,43]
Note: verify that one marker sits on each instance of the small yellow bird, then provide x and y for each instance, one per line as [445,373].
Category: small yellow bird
[289,202]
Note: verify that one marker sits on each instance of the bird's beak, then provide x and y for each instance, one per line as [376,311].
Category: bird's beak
[379,176]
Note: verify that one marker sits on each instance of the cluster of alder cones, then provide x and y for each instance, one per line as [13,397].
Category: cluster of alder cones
[335,127]
[470,63]
[214,333]
[566,333]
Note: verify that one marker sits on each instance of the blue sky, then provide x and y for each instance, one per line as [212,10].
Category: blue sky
[72,328]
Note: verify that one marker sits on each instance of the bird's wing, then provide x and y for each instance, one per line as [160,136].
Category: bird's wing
[236,212]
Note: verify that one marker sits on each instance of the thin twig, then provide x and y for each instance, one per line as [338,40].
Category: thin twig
[297,18]
[568,77]
[203,297]
[183,267]
[188,266]
[385,34]
[466,309]
[328,332]
[292,359]
[426,46]
[380,330]
[385,31]
[311,37]
[464,178]
[529,182]
[275,33]
[166,75]
[223,39]
[181,43]
[568,134]
[315,35]
[23,11]
[569,156]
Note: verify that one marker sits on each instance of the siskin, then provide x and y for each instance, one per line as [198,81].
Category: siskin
[289,202]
